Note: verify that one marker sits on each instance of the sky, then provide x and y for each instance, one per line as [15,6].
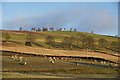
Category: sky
[101,17]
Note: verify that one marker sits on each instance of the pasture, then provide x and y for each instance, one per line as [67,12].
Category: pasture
[37,66]
[42,65]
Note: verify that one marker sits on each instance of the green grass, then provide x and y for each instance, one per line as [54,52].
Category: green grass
[40,64]
[22,37]
[58,35]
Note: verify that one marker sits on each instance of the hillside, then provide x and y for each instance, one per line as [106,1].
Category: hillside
[39,47]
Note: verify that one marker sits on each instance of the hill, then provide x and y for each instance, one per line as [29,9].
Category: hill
[18,39]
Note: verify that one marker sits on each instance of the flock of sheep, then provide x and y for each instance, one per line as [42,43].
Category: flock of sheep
[23,61]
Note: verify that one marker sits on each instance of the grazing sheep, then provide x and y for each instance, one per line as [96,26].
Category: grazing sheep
[54,58]
[52,62]
[101,62]
[25,63]
[104,62]
[12,57]
[92,62]
[16,57]
[21,58]
[116,64]
[95,60]
[76,64]
[50,57]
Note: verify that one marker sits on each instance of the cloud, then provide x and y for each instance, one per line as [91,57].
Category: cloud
[85,20]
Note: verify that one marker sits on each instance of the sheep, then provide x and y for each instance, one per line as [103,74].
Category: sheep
[116,64]
[54,58]
[21,58]
[101,62]
[25,63]
[52,62]
[104,62]
[92,62]
[76,64]
[12,57]
[16,57]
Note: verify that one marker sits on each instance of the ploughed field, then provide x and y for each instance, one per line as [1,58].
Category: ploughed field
[37,66]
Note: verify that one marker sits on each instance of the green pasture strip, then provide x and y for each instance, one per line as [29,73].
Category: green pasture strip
[38,64]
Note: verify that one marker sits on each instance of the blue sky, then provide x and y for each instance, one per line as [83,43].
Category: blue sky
[85,16]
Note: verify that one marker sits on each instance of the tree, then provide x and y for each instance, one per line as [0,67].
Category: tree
[30,37]
[51,29]
[6,36]
[32,29]
[20,29]
[82,38]
[68,42]
[64,29]
[50,40]
[114,45]
[77,39]
[102,43]
[65,42]
[90,42]
[39,29]
[92,32]
[45,29]
[71,41]
[70,29]
[75,30]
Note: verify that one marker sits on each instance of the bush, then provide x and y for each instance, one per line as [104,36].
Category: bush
[28,43]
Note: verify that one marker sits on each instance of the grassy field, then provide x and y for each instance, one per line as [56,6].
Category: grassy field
[58,35]
[19,37]
[40,65]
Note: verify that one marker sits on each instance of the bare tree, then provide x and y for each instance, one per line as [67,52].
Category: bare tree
[70,29]
[75,30]
[30,37]
[20,29]
[82,38]
[32,29]
[68,42]
[51,29]
[71,41]
[114,45]
[50,40]
[39,29]
[45,29]
[102,43]
[92,32]
[90,42]
[64,29]
[6,36]
[65,42]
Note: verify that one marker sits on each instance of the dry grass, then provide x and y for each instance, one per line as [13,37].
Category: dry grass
[43,51]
